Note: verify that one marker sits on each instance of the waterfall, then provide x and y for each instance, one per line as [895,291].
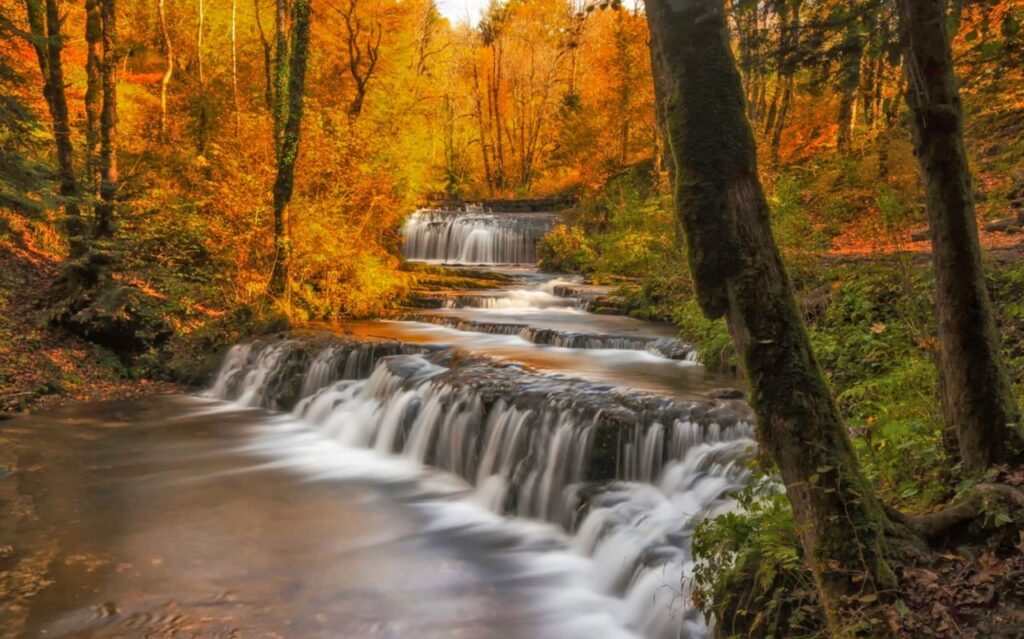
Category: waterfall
[668,347]
[628,475]
[475,236]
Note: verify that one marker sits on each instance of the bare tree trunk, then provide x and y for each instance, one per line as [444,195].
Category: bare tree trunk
[234,63]
[779,125]
[739,273]
[977,396]
[104,223]
[849,82]
[268,82]
[165,81]
[199,43]
[291,130]
[48,42]
[361,62]
[482,125]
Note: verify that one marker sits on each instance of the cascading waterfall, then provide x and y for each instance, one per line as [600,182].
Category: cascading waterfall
[474,236]
[627,474]
[668,347]
[517,298]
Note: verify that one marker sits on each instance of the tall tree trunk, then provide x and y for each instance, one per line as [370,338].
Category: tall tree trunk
[849,82]
[199,43]
[268,82]
[165,81]
[977,397]
[738,273]
[873,50]
[787,73]
[104,222]
[780,120]
[234,64]
[482,126]
[93,95]
[878,84]
[498,146]
[659,75]
[284,182]
[44,24]
[280,73]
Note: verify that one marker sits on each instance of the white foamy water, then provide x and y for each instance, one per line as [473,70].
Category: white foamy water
[618,547]
[475,236]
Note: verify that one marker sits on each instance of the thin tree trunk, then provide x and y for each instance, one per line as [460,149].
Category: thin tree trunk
[234,64]
[849,82]
[93,94]
[165,81]
[738,273]
[104,223]
[482,125]
[285,179]
[788,70]
[280,73]
[780,120]
[268,82]
[499,147]
[199,43]
[872,52]
[44,24]
[977,396]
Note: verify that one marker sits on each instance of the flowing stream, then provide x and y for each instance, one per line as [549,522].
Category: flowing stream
[504,465]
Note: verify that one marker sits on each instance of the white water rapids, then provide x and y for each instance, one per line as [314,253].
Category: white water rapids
[581,474]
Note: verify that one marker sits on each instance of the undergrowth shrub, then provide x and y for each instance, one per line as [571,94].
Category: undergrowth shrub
[565,248]
[750,574]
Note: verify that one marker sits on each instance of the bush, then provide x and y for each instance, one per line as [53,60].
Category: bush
[565,248]
[750,572]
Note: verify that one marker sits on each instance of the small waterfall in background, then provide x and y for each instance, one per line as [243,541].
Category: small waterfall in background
[475,236]
[626,475]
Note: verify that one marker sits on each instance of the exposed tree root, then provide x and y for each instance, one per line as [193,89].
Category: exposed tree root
[970,505]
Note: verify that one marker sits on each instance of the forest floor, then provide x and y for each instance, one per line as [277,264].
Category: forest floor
[42,365]
[864,241]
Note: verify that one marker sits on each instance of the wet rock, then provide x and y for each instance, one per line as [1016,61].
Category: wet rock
[726,393]
[610,422]
[667,347]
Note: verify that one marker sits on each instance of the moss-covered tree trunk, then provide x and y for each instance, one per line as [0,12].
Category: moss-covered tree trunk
[288,150]
[104,222]
[977,397]
[93,93]
[48,41]
[739,273]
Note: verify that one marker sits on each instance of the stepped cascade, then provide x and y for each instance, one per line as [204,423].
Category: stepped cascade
[626,475]
[604,427]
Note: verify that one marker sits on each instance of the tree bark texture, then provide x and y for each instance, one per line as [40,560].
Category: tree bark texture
[977,397]
[104,222]
[738,273]
[289,148]
[44,24]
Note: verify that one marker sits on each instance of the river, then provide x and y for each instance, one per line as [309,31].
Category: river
[505,465]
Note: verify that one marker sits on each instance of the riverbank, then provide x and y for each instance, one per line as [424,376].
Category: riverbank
[42,365]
